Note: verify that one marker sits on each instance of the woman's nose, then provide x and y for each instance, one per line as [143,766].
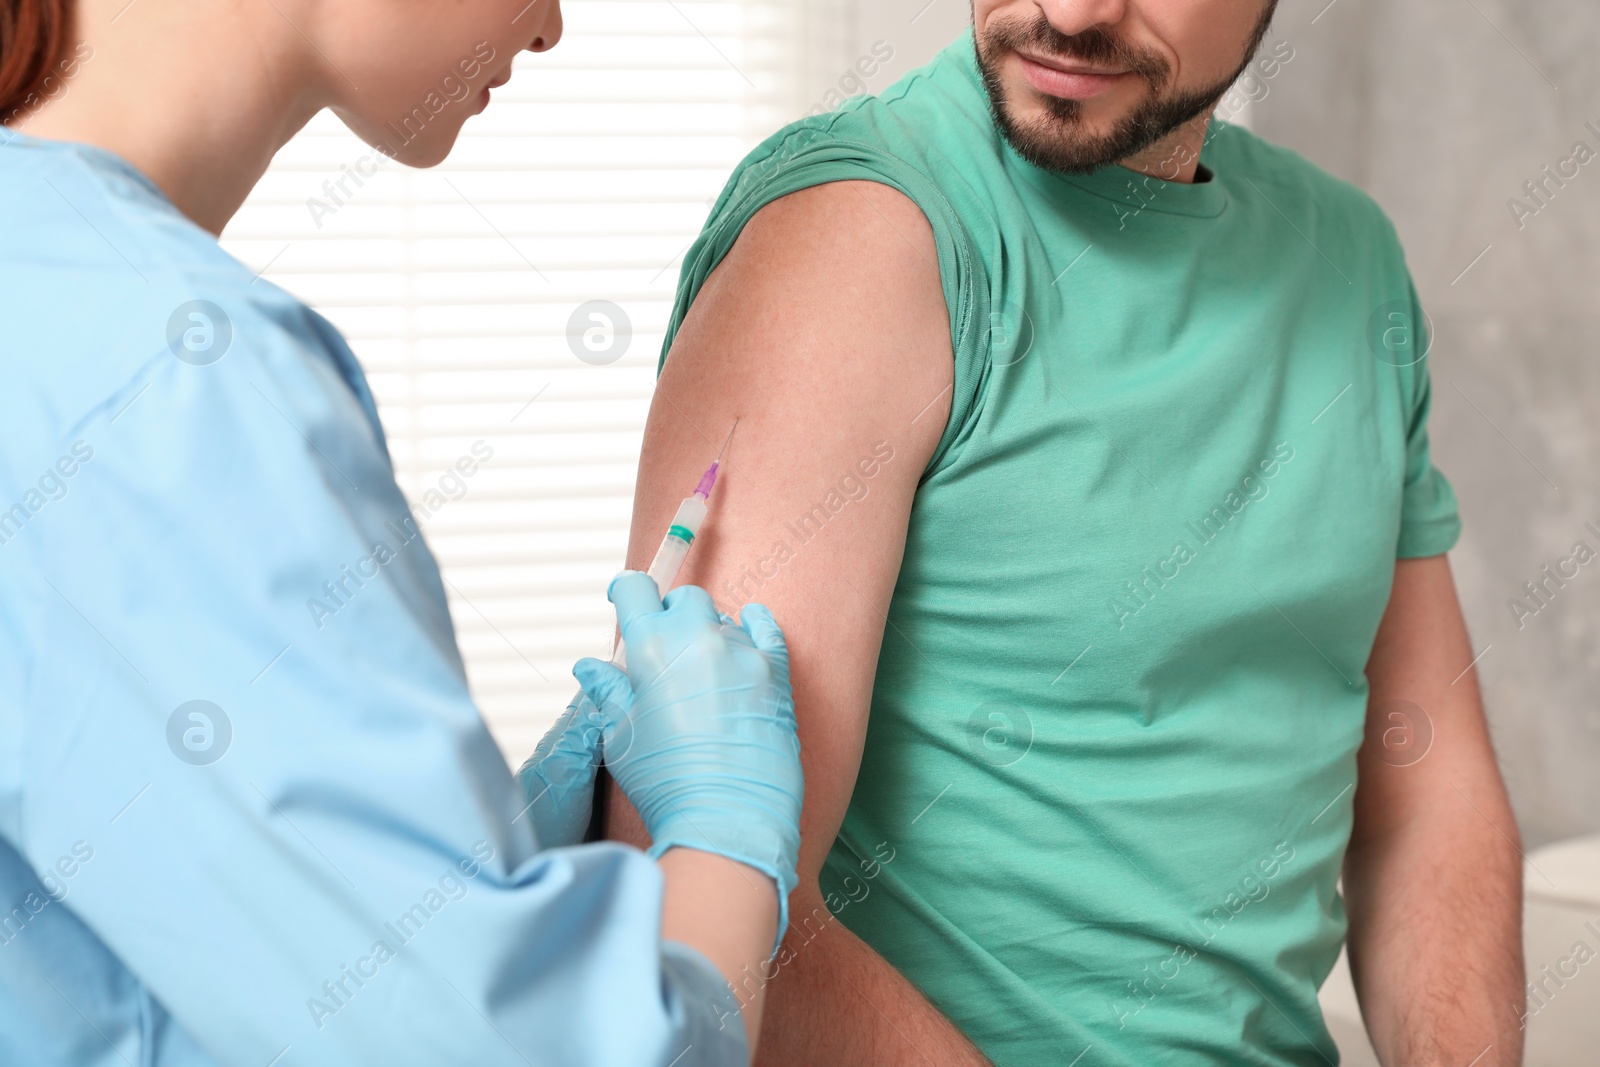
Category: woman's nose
[551,33]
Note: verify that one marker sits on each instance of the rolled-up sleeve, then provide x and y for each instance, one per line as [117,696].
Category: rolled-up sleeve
[1430,518]
[245,699]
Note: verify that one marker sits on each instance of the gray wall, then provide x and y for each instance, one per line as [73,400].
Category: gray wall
[842,33]
[1441,110]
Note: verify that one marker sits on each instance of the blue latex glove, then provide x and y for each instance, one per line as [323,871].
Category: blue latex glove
[700,732]
[558,779]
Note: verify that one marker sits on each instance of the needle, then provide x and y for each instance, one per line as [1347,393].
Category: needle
[725,444]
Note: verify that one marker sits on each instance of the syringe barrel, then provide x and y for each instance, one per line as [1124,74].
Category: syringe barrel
[663,571]
[675,546]
[670,556]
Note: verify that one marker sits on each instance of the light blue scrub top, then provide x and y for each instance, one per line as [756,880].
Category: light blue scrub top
[333,868]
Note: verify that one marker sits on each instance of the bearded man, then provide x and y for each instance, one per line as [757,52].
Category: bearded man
[1083,454]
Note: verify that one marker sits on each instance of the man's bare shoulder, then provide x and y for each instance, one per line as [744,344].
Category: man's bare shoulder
[845,212]
[831,296]
[876,225]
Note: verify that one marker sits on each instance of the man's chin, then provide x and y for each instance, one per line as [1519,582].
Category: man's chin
[1070,145]
[1072,136]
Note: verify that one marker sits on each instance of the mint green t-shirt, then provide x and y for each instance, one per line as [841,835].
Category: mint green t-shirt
[1112,749]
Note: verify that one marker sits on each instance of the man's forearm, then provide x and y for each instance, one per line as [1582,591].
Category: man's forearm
[1433,874]
[1436,941]
[832,999]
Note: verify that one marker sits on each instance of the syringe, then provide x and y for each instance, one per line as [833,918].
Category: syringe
[664,571]
[681,534]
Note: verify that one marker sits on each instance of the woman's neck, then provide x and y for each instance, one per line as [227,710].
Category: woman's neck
[197,96]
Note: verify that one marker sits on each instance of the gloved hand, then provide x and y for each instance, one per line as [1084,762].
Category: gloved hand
[705,744]
[558,779]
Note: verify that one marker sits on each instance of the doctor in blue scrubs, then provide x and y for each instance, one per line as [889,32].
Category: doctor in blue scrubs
[235,830]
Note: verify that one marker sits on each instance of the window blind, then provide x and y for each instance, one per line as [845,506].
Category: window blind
[586,180]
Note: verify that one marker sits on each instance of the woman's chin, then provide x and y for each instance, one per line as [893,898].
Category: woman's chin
[427,151]
[409,141]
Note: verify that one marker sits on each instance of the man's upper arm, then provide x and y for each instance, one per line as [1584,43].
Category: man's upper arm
[1427,736]
[825,333]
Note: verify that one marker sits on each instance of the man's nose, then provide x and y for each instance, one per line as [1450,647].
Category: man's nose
[1075,16]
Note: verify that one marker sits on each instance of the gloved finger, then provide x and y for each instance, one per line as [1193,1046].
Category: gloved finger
[605,684]
[568,734]
[558,779]
[592,724]
[757,621]
[763,629]
[612,694]
[635,594]
[692,601]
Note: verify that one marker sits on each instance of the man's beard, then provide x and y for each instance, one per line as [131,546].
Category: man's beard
[1055,141]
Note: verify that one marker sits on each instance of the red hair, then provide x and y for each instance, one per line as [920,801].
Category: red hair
[34,35]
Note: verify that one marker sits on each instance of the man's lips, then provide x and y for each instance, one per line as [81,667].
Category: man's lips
[1068,80]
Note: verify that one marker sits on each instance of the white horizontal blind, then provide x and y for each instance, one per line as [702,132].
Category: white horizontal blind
[586,179]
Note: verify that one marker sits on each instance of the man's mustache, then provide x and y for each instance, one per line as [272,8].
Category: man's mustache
[1096,46]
